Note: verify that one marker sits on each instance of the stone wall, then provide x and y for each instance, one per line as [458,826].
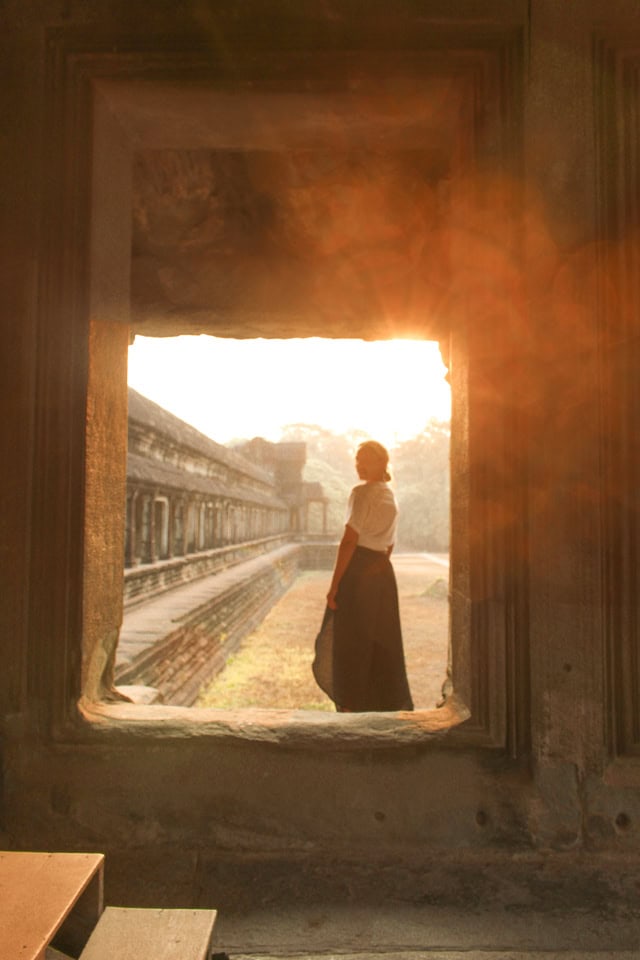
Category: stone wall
[317,554]
[181,663]
[140,583]
[499,217]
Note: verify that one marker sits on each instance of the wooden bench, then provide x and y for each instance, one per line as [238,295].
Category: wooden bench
[51,908]
[127,933]
[48,899]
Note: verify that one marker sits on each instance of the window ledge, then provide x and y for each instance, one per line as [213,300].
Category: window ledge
[288,727]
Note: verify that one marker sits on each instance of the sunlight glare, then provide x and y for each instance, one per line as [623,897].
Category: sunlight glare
[240,389]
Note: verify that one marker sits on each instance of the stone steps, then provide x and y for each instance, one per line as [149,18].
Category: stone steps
[124,933]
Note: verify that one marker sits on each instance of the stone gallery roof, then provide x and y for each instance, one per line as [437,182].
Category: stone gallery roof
[151,415]
[165,476]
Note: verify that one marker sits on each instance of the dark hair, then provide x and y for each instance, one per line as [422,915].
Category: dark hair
[380,453]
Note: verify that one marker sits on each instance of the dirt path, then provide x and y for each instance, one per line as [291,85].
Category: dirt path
[272,668]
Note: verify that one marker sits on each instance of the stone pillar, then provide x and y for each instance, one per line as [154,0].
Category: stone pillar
[181,511]
[146,520]
[130,557]
[153,537]
[566,663]
[224,523]
[189,507]
[201,534]
[105,485]
[127,531]
[215,525]
[170,527]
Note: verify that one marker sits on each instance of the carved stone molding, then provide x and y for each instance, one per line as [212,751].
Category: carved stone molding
[617,130]
[86,80]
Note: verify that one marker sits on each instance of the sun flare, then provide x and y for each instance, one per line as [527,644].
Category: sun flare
[232,389]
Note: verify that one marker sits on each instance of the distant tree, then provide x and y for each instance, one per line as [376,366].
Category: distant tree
[336,449]
[421,474]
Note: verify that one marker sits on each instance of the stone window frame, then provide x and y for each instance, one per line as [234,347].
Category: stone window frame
[85,301]
[616,85]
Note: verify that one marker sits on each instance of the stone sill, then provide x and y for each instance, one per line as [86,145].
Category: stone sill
[287,727]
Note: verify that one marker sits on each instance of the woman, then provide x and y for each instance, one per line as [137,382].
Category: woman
[359,659]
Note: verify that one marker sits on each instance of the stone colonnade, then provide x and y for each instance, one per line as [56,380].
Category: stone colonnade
[163,523]
[186,494]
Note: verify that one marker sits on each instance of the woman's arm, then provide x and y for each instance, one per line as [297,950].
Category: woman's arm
[345,551]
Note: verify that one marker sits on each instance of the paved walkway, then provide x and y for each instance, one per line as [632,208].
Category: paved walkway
[159,616]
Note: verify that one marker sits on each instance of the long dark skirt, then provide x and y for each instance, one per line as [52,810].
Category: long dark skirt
[359,658]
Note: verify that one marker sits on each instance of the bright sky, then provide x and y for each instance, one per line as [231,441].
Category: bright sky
[232,389]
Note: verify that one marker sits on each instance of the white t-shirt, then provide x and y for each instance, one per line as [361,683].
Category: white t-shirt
[372,512]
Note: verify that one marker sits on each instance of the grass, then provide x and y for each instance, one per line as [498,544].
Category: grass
[272,667]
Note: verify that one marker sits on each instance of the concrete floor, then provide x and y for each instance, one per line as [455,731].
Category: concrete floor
[412,933]
[446,955]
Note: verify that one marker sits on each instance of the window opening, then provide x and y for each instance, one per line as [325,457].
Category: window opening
[296,435]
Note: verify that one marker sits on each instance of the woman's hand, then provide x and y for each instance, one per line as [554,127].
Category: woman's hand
[346,548]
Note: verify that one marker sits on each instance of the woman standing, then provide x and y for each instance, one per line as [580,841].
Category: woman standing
[359,660]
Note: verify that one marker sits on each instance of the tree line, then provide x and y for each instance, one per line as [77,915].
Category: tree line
[420,479]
